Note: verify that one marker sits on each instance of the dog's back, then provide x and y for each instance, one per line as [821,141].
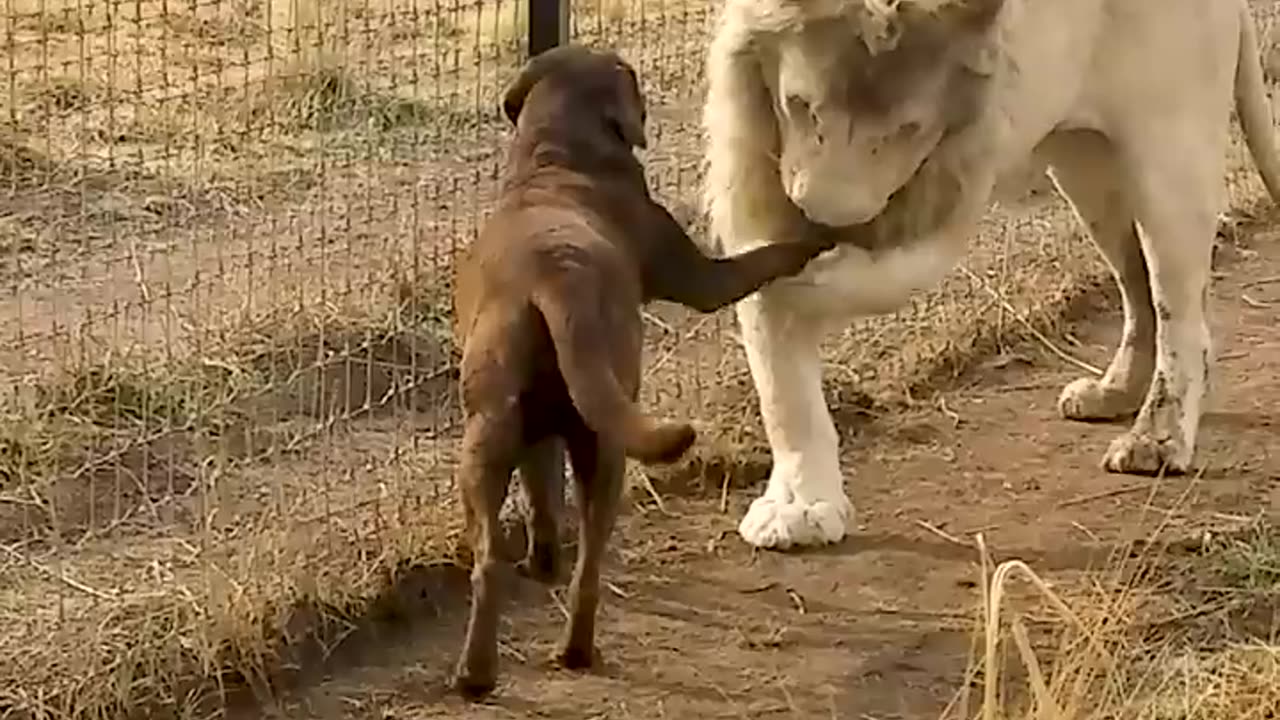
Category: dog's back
[549,305]
[552,319]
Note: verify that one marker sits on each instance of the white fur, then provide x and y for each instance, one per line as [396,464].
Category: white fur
[1126,101]
[805,502]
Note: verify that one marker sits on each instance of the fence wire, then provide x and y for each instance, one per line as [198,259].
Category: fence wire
[228,229]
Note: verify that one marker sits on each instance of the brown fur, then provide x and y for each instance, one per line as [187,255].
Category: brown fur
[547,306]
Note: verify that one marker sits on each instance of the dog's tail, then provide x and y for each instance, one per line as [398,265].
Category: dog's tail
[579,334]
[1252,107]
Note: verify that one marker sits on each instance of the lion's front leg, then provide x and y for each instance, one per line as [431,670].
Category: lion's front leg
[804,503]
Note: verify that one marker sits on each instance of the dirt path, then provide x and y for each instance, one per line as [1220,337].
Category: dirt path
[697,626]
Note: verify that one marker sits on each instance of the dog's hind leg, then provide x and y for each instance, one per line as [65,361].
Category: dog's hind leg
[542,476]
[489,450]
[598,473]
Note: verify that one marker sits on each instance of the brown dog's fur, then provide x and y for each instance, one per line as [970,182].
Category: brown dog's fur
[547,305]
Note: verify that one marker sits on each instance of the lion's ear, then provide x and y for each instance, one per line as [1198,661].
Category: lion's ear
[979,55]
[977,14]
[969,22]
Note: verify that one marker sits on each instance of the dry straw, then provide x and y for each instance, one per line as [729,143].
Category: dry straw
[1110,664]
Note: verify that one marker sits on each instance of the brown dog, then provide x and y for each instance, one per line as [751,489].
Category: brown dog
[548,308]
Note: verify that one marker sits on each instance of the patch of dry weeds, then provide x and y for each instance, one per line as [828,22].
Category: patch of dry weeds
[1173,629]
[143,569]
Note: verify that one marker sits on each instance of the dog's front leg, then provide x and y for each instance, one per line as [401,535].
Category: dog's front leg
[679,272]
[728,280]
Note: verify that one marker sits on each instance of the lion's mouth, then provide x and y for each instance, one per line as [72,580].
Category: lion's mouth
[882,230]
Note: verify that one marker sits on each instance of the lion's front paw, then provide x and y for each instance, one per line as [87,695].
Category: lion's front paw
[1139,453]
[776,524]
[1090,399]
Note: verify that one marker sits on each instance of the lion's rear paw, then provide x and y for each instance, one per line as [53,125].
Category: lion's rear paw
[774,524]
[1089,399]
[1138,453]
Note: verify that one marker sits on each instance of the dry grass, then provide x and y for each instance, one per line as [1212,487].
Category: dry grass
[328,365]
[183,626]
[214,584]
[1173,629]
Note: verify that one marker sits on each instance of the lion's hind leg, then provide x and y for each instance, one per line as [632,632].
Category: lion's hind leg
[1085,171]
[1177,176]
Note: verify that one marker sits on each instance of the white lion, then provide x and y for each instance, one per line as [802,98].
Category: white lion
[895,121]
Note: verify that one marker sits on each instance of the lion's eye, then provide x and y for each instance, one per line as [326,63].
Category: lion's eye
[800,111]
[797,108]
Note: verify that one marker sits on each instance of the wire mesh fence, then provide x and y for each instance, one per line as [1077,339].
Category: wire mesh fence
[228,230]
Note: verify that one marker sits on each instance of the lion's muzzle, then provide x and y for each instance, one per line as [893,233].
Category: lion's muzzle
[834,205]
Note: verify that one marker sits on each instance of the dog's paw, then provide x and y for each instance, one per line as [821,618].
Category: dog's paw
[1090,399]
[1140,453]
[775,524]
[824,244]
[473,686]
[573,657]
[803,254]
[542,563]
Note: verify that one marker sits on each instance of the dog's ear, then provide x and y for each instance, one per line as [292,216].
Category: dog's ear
[626,110]
[538,67]
[518,90]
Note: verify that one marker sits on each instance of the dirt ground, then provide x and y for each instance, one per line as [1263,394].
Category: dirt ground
[695,624]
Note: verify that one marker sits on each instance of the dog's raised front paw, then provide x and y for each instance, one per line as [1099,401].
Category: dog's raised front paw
[776,524]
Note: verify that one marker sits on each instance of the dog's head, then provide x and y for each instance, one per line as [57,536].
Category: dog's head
[595,82]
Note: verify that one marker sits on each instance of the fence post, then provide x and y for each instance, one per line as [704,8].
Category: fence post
[548,24]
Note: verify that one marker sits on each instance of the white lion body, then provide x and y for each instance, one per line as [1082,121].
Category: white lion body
[1126,102]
